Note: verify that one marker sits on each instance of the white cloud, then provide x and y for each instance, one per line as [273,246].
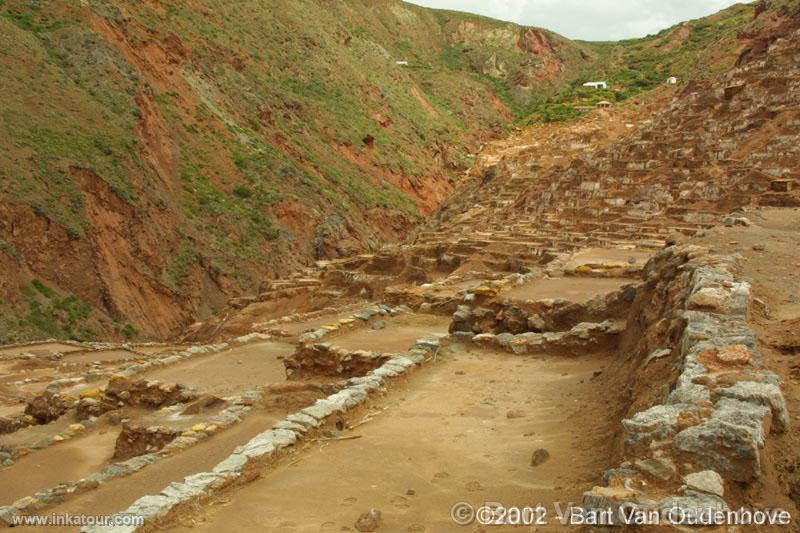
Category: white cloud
[597,20]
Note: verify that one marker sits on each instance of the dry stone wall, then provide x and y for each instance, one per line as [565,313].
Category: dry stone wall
[683,443]
[249,460]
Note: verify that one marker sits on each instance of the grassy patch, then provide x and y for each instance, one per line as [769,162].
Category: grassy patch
[50,315]
[9,251]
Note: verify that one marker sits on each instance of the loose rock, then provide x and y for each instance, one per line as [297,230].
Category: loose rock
[369,521]
[539,457]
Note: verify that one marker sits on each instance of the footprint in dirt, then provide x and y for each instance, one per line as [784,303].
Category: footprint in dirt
[349,501]
[400,502]
[473,486]
[328,526]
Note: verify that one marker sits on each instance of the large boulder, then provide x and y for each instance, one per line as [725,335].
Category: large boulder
[706,481]
[655,424]
[766,394]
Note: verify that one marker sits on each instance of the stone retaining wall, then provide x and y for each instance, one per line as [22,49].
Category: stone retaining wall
[554,326]
[238,408]
[247,461]
[10,424]
[708,425]
[494,315]
[582,339]
[323,358]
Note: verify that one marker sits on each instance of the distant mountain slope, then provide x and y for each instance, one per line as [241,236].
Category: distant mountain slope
[690,50]
[158,157]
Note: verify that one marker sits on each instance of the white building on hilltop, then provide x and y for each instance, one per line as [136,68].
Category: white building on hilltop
[596,84]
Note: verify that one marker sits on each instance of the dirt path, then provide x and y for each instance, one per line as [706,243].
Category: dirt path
[446,437]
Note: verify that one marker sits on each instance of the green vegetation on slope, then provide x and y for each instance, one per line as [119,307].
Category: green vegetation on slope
[210,119]
[693,49]
[53,316]
[233,141]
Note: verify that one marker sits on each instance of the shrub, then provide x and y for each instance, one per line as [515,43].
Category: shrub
[242,192]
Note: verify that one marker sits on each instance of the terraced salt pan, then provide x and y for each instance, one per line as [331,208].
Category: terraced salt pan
[100,355]
[28,436]
[608,256]
[400,333]
[67,461]
[181,460]
[296,328]
[447,437]
[155,350]
[40,378]
[574,289]
[37,387]
[241,368]
[11,371]
[178,420]
[38,349]
[119,493]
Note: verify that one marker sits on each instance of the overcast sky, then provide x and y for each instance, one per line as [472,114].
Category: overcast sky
[596,20]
